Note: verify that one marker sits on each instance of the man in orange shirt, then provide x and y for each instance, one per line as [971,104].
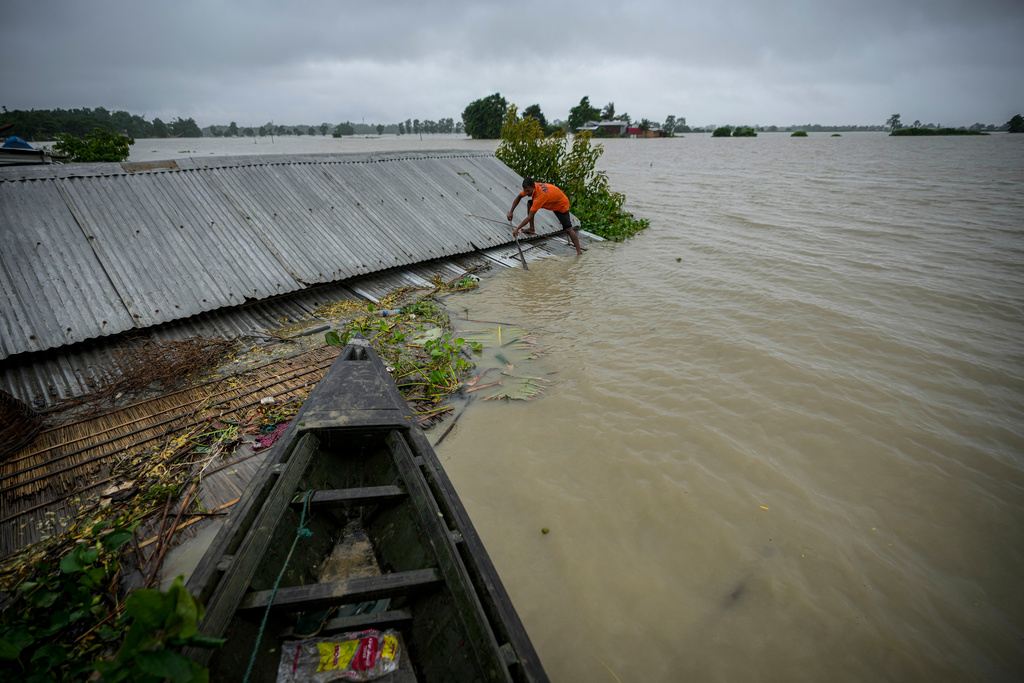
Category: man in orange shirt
[544,196]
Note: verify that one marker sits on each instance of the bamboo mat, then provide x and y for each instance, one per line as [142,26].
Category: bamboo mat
[45,484]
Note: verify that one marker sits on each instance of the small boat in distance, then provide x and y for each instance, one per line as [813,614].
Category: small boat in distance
[383,543]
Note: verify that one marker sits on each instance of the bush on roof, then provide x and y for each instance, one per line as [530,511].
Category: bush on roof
[526,150]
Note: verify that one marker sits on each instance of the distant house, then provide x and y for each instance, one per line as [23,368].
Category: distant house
[609,128]
[654,131]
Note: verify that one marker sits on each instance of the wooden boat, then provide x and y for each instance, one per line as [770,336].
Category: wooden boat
[391,546]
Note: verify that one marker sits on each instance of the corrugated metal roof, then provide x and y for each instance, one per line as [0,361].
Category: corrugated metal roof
[88,250]
[43,378]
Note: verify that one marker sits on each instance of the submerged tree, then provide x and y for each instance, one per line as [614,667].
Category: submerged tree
[100,145]
[670,125]
[483,117]
[185,128]
[1016,124]
[893,123]
[534,111]
[583,112]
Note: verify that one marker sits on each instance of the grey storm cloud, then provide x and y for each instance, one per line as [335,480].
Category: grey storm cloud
[747,61]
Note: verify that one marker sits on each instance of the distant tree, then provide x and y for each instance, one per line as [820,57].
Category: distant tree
[415,126]
[625,117]
[401,128]
[644,126]
[159,129]
[917,123]
[583,112]
[99,145]
[324,127]
[608,113]
[247,132]
[1016,124]
[263,131]
[722,132]
[893,123]
[408,126]
[297,130]
[458,127]
[233,129]
[185,128]
[744,132]
[670,125]
[534,111]
[483,117]
[345,129]
[380,129]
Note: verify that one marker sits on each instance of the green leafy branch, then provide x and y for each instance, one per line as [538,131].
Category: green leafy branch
[66,622]
[100,145]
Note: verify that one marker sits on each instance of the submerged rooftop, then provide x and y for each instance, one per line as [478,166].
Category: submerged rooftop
[221,245]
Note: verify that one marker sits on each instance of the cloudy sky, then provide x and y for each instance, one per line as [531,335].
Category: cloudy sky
[739,61]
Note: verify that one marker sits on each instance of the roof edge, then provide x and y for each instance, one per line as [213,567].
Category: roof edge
[89,170]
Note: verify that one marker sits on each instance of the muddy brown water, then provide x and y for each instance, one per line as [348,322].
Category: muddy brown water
[785,437]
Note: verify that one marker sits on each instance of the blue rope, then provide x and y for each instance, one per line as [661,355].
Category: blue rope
[301,532]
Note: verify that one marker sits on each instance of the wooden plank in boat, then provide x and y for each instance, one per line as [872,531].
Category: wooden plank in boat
[478,562]
[368,495]
[225,598]
[432,521]
[320,595]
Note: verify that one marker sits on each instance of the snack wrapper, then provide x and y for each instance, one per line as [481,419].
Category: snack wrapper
[357,656]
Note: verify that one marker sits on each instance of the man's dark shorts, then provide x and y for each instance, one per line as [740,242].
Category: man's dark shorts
[563,216]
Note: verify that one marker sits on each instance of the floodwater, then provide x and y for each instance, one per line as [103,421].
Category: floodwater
[785,437]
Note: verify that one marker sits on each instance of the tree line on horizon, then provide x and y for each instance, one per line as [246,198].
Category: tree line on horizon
[894,125]
[47,124]
[445,126]
[483,118]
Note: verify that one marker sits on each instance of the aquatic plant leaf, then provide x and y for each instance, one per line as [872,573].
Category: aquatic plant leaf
[509,345]
[426,336]
[514,387]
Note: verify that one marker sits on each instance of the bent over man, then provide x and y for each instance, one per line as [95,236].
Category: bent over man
[544,196]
